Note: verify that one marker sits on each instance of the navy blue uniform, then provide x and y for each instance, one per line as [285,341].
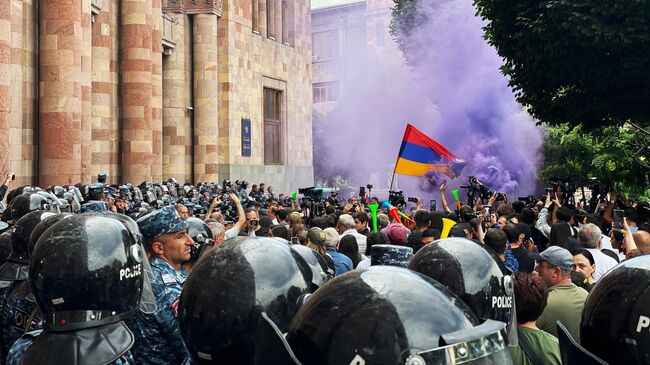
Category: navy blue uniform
[19,316]
[157,336]
[15,356]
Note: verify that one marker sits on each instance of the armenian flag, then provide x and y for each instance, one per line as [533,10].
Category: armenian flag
[420,154]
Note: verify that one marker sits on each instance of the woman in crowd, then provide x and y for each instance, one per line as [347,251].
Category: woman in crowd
[535,345]
[349,247]
[585,265]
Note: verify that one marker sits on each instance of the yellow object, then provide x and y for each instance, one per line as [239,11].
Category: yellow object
[446,227]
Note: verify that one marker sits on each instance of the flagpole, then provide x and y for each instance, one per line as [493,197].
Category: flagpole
[393,178]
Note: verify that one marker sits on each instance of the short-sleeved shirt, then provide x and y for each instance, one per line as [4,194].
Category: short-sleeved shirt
[157,336]
[545,346]
[564,304]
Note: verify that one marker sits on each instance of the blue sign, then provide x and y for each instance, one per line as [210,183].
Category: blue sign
[245,137]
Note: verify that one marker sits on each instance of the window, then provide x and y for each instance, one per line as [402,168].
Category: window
[380,29]
[255,14]
[270,19]
[272,127]
[326,91]
[287,22]
[325,45]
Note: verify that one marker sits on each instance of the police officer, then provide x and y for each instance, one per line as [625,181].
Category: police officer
[472,273]
[227,290]
[158,339]
[615,326]
[19,315]
[383,315]
[84,297]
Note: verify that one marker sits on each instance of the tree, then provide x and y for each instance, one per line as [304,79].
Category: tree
[575,61]
[612,155]
[569,61]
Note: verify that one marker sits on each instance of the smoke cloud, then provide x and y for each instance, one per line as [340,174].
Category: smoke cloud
[452,90]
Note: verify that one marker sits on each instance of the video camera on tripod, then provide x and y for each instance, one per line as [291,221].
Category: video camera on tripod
[476,189]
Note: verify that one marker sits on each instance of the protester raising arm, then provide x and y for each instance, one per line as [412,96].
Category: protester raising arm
[5,185]
[241,215]
[631,249]
[443,199]
[215,203]
[541,223]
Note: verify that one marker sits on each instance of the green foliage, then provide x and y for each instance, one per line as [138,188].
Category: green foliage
[615,155]
[578,61]
[569,61]
[406,18]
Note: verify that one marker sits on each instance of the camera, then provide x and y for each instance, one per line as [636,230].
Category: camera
[476,189]
[396,198]
[369,187]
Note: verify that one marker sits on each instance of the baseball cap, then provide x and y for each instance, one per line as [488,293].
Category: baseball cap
[331,237]
[161,221]
[556,256]
[316,236]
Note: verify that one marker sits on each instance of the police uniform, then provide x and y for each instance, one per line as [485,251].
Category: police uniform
[6,286]
[84,298]
[19,315]
[15,355]
[158,338]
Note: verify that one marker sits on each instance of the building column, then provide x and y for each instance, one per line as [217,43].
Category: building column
[206,73]
[177,96]
[60,92]
[5,81]
[86,93]
[137,137]
[156,90]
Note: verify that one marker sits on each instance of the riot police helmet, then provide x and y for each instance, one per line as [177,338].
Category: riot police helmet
[389,315]
[16,266]
[615,323]
[201,234]
[5,245]
[97,206]
[87,271]
[29,202]
[47,221]
[229,288]
[471,272]
[320,272]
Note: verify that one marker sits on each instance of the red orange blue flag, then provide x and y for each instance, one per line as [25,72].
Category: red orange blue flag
[420,154]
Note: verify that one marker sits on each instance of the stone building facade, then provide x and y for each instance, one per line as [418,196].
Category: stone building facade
[153,89]
[347,37]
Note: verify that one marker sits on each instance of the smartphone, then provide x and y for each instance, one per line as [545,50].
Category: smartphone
[486,214]
[294,241]
[432,205]
[618,218]
[13,177]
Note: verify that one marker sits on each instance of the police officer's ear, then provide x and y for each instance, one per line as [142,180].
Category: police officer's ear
[157,247]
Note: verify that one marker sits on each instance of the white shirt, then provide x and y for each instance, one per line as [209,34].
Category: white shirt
[606,242]
[364,263]
[361,239]
[603,263]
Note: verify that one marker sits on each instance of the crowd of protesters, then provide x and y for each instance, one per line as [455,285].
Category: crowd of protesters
[556,253]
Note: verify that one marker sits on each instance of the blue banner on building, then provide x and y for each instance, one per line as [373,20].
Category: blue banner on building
[245,137]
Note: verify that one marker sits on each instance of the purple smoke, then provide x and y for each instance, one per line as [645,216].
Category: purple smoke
[452,90]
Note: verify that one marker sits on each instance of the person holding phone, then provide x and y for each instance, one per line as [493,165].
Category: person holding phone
[9,177]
